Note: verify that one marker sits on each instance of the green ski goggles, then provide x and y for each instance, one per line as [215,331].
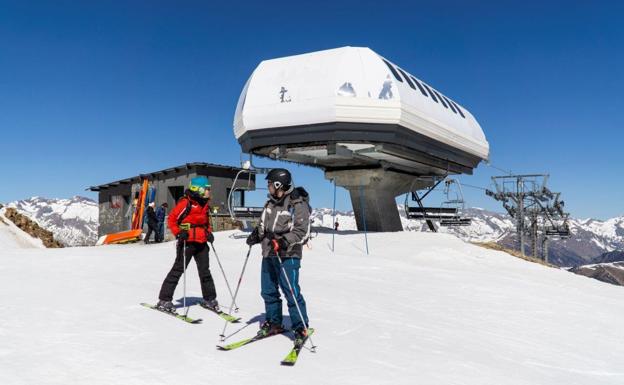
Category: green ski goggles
[199,189]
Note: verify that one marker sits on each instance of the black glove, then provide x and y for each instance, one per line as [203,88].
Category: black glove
[254,237]
[210,237]
[183,235]
[279,244]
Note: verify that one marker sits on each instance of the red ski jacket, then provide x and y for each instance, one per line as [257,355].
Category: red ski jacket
[195,215]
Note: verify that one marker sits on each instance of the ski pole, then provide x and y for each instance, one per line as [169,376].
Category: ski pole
[292,293]
[240,279]
[224,276]
[184,258]
[184,226]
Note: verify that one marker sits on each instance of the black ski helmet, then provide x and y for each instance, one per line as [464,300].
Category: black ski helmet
[280,177]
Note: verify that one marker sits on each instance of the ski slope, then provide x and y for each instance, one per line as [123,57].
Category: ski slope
[421,308]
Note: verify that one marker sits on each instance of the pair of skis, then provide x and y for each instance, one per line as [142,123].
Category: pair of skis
[222,314]
[289,360]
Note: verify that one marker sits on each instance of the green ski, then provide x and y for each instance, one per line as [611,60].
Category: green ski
[291,357]
[178,316]
[222,314]
[247,341]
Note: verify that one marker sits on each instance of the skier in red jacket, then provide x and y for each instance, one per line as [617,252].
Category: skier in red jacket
[189,221]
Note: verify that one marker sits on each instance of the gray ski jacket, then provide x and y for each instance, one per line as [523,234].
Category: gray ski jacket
[287,218]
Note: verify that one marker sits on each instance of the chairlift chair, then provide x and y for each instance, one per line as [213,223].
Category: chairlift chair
[458,204]
[557,231]
[448,214]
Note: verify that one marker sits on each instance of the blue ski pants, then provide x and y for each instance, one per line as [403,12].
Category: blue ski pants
[272,279]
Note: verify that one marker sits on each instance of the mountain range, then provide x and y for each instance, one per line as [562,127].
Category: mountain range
[74,222]
[591,241]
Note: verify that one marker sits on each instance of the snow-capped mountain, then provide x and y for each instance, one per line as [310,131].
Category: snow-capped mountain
[611,256]
[607,272]
[589,238]
[74,222]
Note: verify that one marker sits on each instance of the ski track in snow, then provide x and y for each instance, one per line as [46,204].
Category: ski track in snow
[422,308]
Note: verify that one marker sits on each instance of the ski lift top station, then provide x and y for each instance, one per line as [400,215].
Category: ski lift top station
[374,128]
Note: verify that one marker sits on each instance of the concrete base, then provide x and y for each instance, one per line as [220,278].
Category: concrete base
[373,196]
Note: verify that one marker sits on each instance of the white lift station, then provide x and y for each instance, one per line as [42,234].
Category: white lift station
[374,128]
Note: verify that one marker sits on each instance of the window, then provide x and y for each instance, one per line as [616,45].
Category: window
[238,197]
[449,103]
[407,79]
[430,93]
[440,97]
[458,109]
[176,192]
[394,71]
[422,90]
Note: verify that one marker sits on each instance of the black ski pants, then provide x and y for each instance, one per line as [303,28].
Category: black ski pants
[151,228]
[200,252]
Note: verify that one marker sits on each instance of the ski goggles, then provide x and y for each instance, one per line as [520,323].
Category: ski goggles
[199,189]
[277,184]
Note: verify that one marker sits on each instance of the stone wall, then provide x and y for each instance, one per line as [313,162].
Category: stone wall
[223,223]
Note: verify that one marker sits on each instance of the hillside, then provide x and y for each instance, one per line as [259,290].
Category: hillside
[12,238]
[589,238]
[612,272]
[422,308]
[612,256]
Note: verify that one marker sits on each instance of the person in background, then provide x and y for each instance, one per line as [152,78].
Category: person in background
[152,222]
[161,212]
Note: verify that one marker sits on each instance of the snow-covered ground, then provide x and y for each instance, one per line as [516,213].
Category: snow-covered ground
[422,308]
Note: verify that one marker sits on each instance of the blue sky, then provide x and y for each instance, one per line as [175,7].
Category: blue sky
[96,91]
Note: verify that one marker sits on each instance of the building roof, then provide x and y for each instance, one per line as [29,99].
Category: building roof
[152,175]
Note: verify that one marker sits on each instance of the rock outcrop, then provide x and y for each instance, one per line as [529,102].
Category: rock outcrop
[31,227]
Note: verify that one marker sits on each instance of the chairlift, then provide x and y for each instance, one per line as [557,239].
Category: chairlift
[448,214]
[556,230]
[457,202]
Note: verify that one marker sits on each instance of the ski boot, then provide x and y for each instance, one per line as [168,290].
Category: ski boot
[269,329]
[166,306]
[301,335]
[211,304]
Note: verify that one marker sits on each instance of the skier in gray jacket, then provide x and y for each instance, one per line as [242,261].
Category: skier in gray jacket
[283,229]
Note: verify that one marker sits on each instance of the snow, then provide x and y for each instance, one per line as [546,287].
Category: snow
[76,211]
[422,308]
